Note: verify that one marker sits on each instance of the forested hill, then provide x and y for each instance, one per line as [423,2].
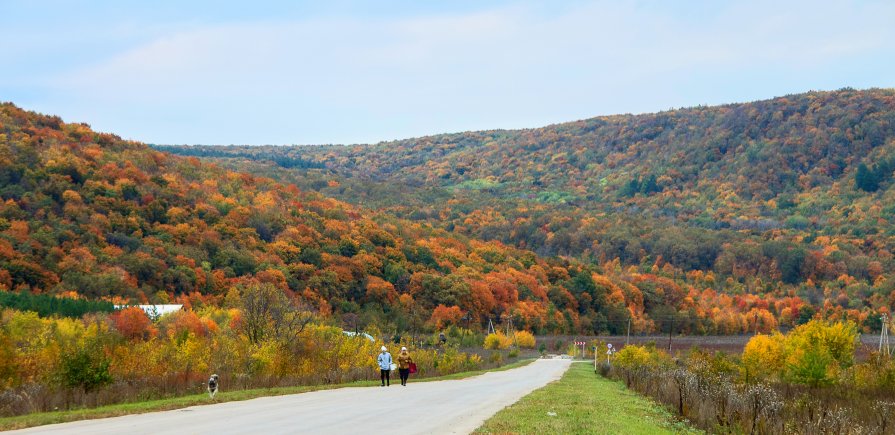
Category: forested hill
[756,151]
[88,215]
[800,166]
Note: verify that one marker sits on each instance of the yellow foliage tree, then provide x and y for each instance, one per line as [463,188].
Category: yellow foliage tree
[497,340]
[817,351]
[763,357]
[634,357]
[524,339]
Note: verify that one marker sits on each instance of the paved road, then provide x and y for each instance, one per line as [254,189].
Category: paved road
[441,407]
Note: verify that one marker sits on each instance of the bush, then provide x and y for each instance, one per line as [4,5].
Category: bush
[817,351]
[763,357]
[496,358]
[497,341]
[633,357]
[86,367]
[513,353]
[559,345]
[813,354]
[524,339]
[877,373]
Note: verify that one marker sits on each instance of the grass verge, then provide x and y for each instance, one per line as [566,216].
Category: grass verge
[584,403]
[44,418]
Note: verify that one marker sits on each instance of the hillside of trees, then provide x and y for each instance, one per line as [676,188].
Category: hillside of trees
[790,195]
[88,215]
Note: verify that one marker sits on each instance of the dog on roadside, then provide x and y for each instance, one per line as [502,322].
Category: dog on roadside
[213,385]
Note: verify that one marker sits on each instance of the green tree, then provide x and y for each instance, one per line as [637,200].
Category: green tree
[866,180]
[86,367]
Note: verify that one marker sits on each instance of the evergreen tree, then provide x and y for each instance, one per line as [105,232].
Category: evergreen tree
[865,179]
[649,185]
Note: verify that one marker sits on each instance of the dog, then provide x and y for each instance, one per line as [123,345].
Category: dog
[213,385]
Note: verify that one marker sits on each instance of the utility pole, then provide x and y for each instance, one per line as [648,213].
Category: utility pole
[884,337]
[669,334]
[595,359]
[628,337]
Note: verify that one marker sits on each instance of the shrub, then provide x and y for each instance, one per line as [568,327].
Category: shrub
[495,358]
[878,372]
[86,367]
[524,339]
[818,350]
[513,353]
[633,357]
[497,340]
[812,367]
[763,357]
[559,345]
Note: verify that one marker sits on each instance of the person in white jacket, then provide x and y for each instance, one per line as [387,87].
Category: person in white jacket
[385,366]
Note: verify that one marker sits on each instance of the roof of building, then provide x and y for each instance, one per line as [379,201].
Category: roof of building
[155,310]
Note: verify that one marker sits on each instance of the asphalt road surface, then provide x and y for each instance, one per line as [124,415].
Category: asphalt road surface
[440,407]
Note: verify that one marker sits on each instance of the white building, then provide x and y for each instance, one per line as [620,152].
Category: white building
[155,311]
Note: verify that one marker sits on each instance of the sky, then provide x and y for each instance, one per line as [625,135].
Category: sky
[293,72]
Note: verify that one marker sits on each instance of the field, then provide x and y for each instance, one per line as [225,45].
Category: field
[583,402]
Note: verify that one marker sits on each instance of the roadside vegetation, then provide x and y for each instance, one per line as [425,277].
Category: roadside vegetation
[584,403]
[804,382]
[261,342]
[264,340]
[44,418]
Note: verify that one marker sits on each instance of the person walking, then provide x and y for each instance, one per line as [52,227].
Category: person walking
[404,362]
[385,366]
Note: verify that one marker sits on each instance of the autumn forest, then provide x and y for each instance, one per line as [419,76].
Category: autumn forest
[720,220]
[749,218]
[726,219]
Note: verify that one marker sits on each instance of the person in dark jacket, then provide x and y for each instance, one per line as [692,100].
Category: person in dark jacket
[404,362]
[385,366]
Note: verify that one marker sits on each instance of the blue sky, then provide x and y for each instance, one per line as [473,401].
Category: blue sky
[281,72]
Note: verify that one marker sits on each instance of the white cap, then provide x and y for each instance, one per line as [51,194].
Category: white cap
[384,349]
[403,348]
